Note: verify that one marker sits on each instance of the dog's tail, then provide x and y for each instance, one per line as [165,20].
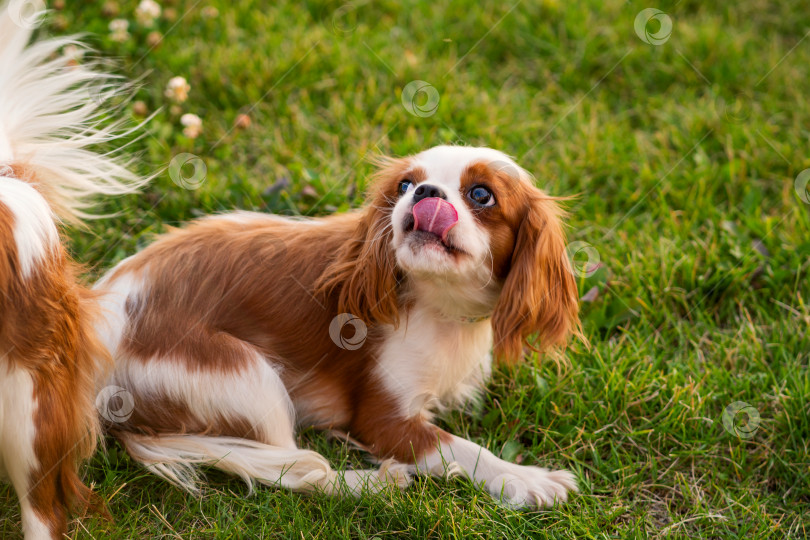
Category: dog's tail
[177,458]
[51,110]
[51,115]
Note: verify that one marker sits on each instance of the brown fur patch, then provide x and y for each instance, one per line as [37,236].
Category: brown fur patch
[157,414]
[8,263]
[501,220]
[46,326]
[364,273]
[539,303]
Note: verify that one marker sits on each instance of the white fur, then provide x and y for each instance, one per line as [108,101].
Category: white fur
[176,458]
[245,217]
[5,145]
[33,526]
[444,166]
[110,327]
[515,485]
[429,261]
[433,357]
[35,233]
[17,434]
[255,393]
[50,113]
[427,363]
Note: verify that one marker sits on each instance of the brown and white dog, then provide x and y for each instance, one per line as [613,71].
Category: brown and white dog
[230,332]
[49,354]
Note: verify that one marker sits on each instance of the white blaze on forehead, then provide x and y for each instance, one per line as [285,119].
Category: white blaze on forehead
[445,164]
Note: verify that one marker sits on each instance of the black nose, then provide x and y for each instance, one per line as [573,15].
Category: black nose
[426,190]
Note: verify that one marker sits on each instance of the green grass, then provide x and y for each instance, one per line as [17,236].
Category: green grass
[683,157]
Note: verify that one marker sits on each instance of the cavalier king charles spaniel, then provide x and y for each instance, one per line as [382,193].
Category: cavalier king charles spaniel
[50,357]
[230,332]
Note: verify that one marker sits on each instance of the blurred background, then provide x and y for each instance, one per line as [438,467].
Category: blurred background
[681,130]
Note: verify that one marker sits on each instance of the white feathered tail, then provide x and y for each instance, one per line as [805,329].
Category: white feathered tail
[50,114]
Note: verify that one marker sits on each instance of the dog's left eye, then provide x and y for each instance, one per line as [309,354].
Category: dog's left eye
[481,196]
[404,186]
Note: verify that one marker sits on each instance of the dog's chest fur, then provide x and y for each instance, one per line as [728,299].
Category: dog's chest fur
[429,363]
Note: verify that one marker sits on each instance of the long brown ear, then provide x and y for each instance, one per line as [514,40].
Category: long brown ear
[540,293]
[364,273]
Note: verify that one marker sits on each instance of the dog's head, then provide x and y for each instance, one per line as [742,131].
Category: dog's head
[466,231]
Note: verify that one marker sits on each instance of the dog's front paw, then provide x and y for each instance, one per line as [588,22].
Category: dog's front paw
[390,474]
[393,473]
[532,487]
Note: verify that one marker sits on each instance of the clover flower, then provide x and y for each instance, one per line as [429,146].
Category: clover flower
[177,89]
[193,125]
[119,30]
[146,12]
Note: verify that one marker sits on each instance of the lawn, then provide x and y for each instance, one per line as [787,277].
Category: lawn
[684,147]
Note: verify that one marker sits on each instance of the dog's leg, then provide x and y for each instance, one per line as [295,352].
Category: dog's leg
[382,428]
[517,486]
[42,516]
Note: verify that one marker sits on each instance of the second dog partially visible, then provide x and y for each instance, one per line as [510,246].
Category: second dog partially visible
[49,355]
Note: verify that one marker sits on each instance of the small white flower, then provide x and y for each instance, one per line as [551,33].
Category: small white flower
[210,12]
[177,89]
[147,11]
[119,25]
[193,125]
[73,53]
[118,29]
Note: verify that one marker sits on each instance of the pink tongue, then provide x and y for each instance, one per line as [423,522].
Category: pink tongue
[434,215]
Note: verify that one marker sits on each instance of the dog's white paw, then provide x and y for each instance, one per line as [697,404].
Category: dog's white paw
[527,487]
[393,473]
[389,474]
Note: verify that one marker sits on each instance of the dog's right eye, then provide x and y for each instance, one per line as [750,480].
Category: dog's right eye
[404,186]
